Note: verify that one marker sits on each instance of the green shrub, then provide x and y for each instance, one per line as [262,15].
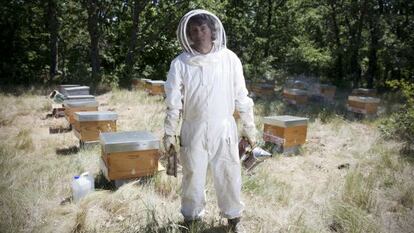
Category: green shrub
[400,125]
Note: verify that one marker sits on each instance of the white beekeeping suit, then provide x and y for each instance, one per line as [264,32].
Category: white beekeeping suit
[206,89]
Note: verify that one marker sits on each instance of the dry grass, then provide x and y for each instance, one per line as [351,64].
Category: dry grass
[305,193]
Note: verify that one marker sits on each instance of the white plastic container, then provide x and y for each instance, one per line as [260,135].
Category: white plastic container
[82,185]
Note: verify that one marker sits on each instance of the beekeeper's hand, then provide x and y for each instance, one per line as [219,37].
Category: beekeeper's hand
[168,141]
[250,135]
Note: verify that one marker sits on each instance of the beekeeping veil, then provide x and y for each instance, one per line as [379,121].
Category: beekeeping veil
[218,33]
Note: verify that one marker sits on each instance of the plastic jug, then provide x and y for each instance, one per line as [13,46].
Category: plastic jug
[82,185]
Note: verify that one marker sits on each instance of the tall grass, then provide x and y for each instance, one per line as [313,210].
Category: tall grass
[304,193]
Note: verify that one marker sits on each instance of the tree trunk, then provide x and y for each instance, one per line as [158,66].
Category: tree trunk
[356,33]
[53,27]
[373,49]
[338,45]
[93,29]
[138,7]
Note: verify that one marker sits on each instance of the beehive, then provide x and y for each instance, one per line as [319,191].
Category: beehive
[139,83]
[155,87]
[295,96]
[327,91]
[88,125]
[364,92]
[75,91]
[127,155]
[363,104]
[82,105]
[263,89]
[285,131]
[61,88]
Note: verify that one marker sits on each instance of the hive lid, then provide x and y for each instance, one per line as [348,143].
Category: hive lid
[285,120]
[77,90]
[80,103]
[95,116]
[364,99]
[80,97]
[294,91]
[156,82]
[128,141]
[61,88]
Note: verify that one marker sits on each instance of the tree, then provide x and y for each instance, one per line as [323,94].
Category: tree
[53,28]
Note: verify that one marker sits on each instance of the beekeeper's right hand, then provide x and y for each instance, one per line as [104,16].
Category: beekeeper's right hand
[168,141]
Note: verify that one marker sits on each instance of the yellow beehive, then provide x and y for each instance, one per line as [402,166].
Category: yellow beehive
[128,155]
[363,104]
[88,125]
[286,131]
[295,96]
[72,106]
[263,89]
[155,87]
[139,83]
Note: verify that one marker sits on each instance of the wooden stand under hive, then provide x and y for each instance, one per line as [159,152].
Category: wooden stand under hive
[286,132]
[295,96]
[88,125]
[70,107]
[363,105]
[129,155]
[155,87]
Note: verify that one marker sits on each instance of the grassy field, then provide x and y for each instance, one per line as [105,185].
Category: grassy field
[348,178]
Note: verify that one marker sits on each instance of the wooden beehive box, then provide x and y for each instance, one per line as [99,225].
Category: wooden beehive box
[61,88]
[128,155]
[286,131]
[139,83]
[79,105]
[155,87]
[76,91]
[88,125]
[364,92]
[363,104]
[327,91]
[295,96]
[263,89]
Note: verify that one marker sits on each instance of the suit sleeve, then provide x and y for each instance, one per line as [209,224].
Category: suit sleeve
[173,90]
[244,104]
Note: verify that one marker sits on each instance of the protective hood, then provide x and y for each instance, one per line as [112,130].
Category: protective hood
[219,35]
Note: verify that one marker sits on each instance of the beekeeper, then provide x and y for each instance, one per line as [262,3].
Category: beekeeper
[205,85]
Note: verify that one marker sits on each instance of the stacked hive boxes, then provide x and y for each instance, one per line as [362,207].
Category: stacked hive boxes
[363,101]
[263,89]
[88,125]
[363,104]
[79,105]
[286,132]
[127,155]
[295,96]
